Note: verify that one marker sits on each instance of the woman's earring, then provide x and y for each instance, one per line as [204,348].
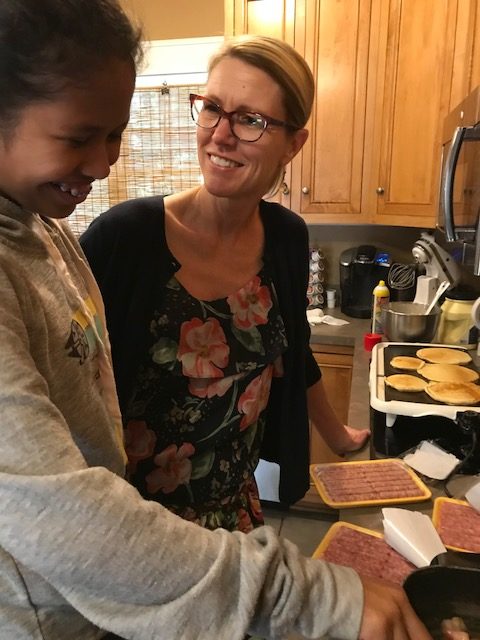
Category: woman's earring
[279,183]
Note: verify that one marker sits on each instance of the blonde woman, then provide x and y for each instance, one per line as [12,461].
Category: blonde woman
[205,293]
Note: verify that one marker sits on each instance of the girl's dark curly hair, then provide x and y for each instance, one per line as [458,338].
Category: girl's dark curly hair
[45,45]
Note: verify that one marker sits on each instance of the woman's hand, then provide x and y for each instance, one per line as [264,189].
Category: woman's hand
[388,615]
[353,439]
[339,437]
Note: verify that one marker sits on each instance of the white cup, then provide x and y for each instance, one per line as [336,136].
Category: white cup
[330,298]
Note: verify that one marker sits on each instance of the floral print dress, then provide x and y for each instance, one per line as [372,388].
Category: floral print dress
[196,418]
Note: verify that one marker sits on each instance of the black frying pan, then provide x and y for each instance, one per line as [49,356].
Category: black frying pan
[448,588]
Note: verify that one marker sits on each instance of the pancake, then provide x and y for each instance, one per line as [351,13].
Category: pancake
[406,362]
[405,382]
[443,355]
[447,373]
[458,393]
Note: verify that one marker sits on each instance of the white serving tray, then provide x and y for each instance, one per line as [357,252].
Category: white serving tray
[394,408]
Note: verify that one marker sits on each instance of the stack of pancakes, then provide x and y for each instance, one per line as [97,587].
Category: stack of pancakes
[444,377]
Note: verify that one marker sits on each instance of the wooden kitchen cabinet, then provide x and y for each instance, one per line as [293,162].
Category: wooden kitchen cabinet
[326,183]
[423,69]
[326,178]
[387,72]
[336,365]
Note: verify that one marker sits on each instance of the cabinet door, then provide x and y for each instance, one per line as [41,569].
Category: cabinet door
[262,17]
[336,375]
[475,73]
[327,177]
[422,72]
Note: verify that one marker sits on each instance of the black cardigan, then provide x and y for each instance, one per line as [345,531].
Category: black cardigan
[129,256]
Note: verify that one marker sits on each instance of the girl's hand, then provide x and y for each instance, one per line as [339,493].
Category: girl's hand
[388,615]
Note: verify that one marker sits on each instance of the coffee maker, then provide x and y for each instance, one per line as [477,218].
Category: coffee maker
[361,269]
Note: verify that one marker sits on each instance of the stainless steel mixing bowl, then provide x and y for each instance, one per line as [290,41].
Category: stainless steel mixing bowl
[407,322]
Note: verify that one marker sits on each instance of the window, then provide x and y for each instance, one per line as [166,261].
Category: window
[158,154]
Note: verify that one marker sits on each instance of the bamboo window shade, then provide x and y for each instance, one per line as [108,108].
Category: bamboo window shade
[158,154]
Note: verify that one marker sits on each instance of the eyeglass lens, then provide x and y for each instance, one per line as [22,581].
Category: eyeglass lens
[245,126]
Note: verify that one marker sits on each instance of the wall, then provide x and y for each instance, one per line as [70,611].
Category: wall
[177,61]
[333,239]
[168,19]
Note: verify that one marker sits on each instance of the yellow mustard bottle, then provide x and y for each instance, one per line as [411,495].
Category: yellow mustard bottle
[381,298]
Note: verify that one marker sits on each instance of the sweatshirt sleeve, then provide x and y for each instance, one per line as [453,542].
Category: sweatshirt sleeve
[131,567]
[127,564]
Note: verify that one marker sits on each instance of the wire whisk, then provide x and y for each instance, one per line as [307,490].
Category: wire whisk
[402,276]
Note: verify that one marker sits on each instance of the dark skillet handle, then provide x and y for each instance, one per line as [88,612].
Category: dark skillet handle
[457,559]
[440,592]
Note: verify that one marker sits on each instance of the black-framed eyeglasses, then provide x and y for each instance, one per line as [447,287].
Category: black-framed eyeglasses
[246,126]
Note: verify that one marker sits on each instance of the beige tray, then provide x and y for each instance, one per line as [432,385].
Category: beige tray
[424,492]
[438,505]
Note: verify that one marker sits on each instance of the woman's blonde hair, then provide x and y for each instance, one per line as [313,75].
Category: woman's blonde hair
[283,64]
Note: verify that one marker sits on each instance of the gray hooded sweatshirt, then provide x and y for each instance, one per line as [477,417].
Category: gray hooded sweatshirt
[81,553]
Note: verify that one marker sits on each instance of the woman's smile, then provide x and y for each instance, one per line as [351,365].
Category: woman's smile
[224,162]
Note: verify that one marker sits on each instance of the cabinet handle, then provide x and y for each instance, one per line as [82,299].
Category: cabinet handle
[380,191]
[305,190]
[285,189]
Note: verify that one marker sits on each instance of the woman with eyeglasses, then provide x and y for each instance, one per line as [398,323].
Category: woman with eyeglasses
[205,292]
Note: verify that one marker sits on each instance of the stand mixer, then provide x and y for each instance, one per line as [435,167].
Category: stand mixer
[441,271]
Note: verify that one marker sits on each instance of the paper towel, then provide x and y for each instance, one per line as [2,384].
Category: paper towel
[316,316]
[431,460]
[412,534]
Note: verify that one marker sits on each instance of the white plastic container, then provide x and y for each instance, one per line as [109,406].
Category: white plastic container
[381,298]
[457,324]
[331,298]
